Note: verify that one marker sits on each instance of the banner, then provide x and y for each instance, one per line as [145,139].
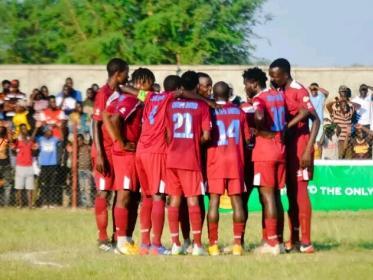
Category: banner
[336,185]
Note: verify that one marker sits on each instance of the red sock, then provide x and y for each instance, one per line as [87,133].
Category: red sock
[238,229]
[145,219]
[305,212]
[101,217]
[157,221]
[173,223]
[121,221]
[271,228]
[213,233]
[196,223]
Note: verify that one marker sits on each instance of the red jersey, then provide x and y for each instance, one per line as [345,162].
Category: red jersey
[272,104]
[225,155]
[297,97]
[153,134]
[54,118]
[104,97]
[130,109]
[185,121]
[24,152]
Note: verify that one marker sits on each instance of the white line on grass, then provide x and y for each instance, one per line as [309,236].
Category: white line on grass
[31,257]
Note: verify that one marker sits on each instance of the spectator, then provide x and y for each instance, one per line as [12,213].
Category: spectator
[12,98]
[365,101]
[65,101]
[44,90]
[81,120]
[48,161]
[86,182]
[5,84]
[358,144]
[34,92]
[76,94]
[6,172]
[54,117]
[88,102]
[21,116]
[235,99]
[24,149]
[95,88]
[329,142]
[39,103]
[341,112]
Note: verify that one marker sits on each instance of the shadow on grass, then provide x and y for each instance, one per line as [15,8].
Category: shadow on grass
[327,246]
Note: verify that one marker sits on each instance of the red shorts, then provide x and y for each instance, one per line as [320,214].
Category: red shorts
[294,154]
[184,182]
[103,182]
[218,186]
[151,169]
[125,172]
[269,174]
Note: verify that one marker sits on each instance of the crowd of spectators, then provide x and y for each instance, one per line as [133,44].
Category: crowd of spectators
[36,134]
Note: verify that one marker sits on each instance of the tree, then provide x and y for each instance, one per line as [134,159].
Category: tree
[142,32]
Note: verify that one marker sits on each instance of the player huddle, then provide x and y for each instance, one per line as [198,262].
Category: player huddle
[184,143]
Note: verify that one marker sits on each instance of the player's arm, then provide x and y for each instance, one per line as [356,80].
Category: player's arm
[260,120]
[139,93]
[192,94]
[206,136]
[306,159]
[101,167]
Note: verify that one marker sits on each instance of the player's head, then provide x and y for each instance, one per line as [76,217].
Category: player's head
[143,78]
[117,70]
[204,84]
[363,90]
[156,87]
[23,130]
[221,91]
[254,80]
[172,83]
[280,72]
[190,80]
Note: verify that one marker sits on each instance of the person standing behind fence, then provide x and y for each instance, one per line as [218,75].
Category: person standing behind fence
[48,161]
[86,181]
[24,148]
[365,113]
[6,172]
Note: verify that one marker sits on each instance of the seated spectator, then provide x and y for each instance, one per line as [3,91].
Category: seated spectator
[24,148]
[81,120]
[76,94]
[12,98]
[21,116]
[341,112]
[358,144]
[54,117]
[329,142]
[6,172]
[65,101]
[48,161]
[89,102]
[365,113]
[44,90]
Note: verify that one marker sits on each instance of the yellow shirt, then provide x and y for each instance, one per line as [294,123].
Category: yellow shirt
[20,118]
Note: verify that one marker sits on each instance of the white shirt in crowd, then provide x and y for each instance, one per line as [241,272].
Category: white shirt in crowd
[68,104]
[365,111]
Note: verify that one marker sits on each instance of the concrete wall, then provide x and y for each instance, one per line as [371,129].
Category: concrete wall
[53,76]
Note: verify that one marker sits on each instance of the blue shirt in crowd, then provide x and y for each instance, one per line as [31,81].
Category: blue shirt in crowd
[76,94]
[48,151]
[318,103]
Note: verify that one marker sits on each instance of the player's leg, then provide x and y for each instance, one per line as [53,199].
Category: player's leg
[101,215]
[133,213]
[157,219]
[305,213]
[185,225]
[145,222]
[280,216]
[238,223]
[196,224]
[213,222]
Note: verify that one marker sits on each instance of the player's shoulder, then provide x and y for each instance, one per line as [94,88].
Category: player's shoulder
[296,86]
[247,107]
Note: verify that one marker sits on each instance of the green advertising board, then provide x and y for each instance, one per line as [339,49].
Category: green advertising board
[336,185]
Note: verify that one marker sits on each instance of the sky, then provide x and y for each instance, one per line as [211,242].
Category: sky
[317,32]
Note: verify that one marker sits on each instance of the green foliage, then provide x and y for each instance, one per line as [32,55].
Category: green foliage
[142,32]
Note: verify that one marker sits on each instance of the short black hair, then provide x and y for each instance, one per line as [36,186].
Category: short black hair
[142,74]
[189,80]
[80,136]
[4,82]
[203,75]
[116,65]
[171,83]
[221,89]
[314,85]
[68,78]
[281,63]
[51,97]
[256,74]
